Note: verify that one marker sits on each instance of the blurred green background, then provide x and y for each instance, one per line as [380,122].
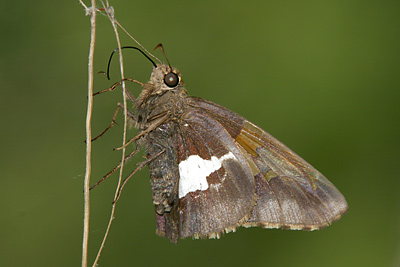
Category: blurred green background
[321,76]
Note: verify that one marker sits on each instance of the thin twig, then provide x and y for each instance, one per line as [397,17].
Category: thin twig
[83,4]
[127,33]
[110,13]
[85,240]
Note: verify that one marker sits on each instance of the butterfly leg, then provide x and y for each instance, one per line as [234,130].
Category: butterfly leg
[153,126]
[131,116]
[112,88]
[129,95]
[139,167]
[116,168]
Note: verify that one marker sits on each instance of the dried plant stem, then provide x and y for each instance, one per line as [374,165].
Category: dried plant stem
[139,44]
[110,13]
[85,240]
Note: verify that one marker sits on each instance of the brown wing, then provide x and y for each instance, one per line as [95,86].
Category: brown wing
[202,184]
[291,193]
[205,150]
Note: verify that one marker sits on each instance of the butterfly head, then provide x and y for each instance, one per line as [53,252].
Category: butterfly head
[165,78]
[164,96]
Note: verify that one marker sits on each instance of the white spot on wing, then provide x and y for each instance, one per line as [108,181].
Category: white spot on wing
[194,170]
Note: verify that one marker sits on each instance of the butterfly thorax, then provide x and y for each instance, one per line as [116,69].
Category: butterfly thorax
[158,103]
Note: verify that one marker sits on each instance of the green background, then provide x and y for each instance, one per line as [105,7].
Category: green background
[321,76]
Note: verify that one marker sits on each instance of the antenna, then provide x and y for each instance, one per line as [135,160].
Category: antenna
[132,47]
[162,50]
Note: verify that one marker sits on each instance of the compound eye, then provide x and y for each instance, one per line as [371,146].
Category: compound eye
[171,79]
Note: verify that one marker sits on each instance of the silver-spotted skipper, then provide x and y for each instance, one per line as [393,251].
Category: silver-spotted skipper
[212,170]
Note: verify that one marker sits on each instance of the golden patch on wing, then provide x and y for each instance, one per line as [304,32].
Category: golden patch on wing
[248,141]
[253,167]
[269,175]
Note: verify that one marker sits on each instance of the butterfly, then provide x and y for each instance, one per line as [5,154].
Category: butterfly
[211,170]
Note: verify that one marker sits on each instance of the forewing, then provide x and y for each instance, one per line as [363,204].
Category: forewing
[291,193]
[216,186]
